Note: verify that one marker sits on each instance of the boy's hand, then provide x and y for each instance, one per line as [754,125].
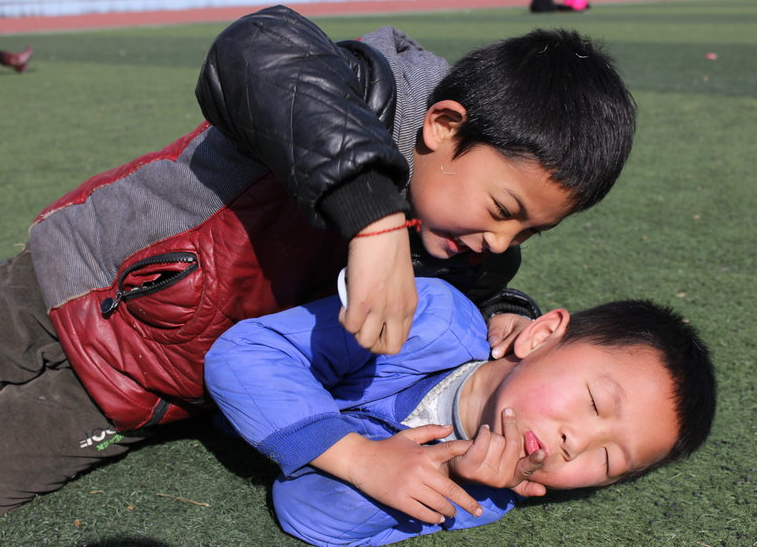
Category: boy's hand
[380,287]
[402,472]
[495,460]
[504,328]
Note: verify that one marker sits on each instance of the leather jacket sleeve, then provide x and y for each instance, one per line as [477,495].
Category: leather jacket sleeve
[510,301]
[315,112]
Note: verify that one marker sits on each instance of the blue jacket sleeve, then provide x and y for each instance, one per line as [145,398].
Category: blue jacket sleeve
[262,375]
[323,511]
[282,380]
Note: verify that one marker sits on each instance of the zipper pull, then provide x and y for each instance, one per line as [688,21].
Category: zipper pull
[110,304]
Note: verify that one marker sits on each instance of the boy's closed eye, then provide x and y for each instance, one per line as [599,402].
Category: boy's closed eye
[596,411]
[607,461]
[593,402]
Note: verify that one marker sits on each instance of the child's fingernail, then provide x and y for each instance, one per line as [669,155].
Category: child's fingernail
[497,353]
[478,512]
[509,412]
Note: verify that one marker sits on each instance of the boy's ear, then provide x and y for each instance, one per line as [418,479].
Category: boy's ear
[441,122]
[546,329]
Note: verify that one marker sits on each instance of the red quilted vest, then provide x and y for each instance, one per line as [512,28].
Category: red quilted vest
[138,339]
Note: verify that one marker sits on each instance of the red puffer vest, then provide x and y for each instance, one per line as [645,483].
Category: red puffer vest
[144,266]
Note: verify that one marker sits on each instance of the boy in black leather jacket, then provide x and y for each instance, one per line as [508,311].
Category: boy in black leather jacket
[517,136]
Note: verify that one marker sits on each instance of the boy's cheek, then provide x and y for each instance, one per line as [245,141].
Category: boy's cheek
[562,478]
[433,244]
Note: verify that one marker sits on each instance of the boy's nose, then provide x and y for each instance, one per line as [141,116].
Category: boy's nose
[574,442]
[498,242]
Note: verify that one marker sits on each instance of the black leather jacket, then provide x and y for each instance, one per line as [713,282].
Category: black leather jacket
[320,115]
[315,112]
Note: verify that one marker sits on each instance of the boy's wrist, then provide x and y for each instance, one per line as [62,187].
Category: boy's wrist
[390,223]
[298,445]
[340,458]
[369,197]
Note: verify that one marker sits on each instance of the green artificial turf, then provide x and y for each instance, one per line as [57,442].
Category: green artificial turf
[679,228]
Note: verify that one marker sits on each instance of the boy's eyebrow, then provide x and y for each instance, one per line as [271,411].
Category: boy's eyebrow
[615,390]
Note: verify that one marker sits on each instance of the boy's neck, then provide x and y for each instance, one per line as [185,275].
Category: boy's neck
[478,392]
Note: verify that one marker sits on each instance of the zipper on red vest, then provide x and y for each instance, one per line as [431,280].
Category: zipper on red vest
[111,303]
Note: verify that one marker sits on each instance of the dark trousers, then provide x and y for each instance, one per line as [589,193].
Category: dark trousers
[51,430]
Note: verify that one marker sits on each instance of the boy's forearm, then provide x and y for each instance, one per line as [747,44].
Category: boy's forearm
[277,86]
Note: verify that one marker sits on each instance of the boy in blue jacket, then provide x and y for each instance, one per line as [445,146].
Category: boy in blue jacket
[584,400]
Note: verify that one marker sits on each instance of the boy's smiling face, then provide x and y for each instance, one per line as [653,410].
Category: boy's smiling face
[480,201]
[599,413]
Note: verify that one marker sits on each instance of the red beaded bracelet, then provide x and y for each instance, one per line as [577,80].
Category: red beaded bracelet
[416,223]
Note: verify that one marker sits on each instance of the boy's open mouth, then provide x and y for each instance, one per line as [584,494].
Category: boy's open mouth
[459,246]
[456,245]
[532,443]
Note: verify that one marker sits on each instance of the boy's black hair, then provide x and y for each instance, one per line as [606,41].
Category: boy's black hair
[550,96]
[642,323]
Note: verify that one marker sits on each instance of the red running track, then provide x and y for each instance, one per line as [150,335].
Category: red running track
[21,25]
[18,25]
